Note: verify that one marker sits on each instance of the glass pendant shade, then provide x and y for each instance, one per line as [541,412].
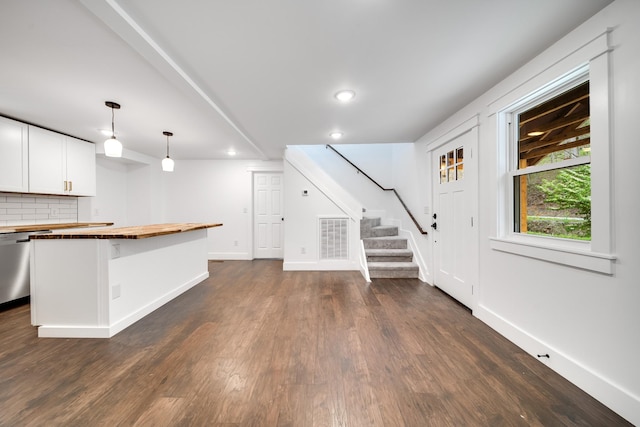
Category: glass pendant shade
[167,164]
[112,147]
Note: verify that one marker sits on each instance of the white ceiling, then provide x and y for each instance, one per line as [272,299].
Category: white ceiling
[257,75]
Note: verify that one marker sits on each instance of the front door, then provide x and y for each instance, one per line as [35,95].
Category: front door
[453,236]
[268,229]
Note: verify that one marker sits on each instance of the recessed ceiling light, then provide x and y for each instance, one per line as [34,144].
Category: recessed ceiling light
[231,152]
[345,95]
[105,132]
[336,135]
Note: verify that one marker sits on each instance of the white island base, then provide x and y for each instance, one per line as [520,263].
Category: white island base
[96,287]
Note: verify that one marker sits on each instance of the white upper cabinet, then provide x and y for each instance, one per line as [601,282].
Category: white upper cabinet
[81,167]
[14,156]
[46,159]
[59,164]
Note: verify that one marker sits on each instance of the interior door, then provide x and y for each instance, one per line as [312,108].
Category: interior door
[268,216]
[452,218]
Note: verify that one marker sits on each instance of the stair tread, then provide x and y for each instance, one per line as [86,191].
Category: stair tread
[385,238]
[390,265]
[388,252]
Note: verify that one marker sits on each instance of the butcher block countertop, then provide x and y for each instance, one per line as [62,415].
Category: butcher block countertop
[136,232]
[46,227]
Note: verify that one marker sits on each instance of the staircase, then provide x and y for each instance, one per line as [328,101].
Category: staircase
[387,254]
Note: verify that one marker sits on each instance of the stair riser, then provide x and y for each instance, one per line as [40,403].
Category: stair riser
[376,258]
[393,274]
[385,244]
[366,224]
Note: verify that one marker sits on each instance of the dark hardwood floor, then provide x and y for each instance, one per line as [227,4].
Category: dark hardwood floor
[256,346]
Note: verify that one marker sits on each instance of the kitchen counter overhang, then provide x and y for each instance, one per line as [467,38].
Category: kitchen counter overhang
[135,232]
[29,228]
[95,283]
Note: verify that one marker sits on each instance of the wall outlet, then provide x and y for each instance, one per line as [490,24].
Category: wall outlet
[303,251]
[235,243]
[54,213]
[115,291]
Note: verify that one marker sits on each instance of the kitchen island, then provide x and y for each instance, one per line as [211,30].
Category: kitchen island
[95,283]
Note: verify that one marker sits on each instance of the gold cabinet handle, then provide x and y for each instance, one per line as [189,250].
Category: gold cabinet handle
[65,186]
[70,185]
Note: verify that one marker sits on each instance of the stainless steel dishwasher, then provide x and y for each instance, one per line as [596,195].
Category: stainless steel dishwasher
[14,266]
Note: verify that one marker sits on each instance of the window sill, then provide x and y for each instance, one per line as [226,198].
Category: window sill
[569,255]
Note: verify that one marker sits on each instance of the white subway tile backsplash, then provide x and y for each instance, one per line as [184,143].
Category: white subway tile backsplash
[21,211]
[24,209]
[17,199]
[9,205]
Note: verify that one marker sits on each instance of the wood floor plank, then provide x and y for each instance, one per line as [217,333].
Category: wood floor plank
[257,346]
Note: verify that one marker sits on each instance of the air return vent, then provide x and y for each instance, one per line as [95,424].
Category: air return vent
[334,238]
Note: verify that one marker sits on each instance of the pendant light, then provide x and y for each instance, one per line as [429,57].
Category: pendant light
[167,162]
[112,147]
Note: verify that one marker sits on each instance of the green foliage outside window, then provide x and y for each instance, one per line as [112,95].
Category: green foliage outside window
[571,190]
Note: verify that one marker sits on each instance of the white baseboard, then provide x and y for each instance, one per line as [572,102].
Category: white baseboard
[154,305]
[229,256]
[611,395]
[319,266]
[75,331]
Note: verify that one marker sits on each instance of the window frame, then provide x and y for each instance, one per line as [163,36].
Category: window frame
[590,62]
[561,85]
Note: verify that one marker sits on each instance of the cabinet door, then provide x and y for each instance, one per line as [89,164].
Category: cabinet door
[14,156]
[46,161]
[81,167]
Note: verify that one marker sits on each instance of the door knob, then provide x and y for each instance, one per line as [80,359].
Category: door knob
[434,225]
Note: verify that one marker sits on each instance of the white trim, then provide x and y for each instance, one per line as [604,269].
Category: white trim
[324,183]
[423,272]
[572,60]
[364,265]
[565,255]
[74,331]
[454,133]
[576,161]
[610,394]
[228,256]
[343,265]
[589,62]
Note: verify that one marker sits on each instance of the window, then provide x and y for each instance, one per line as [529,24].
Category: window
[554,162]
[552,173]
[452,165]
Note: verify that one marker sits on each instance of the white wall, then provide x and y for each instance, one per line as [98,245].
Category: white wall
[587,321]
[301,250]
[110,203]
[129,191]
[374,159]
[219,191]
